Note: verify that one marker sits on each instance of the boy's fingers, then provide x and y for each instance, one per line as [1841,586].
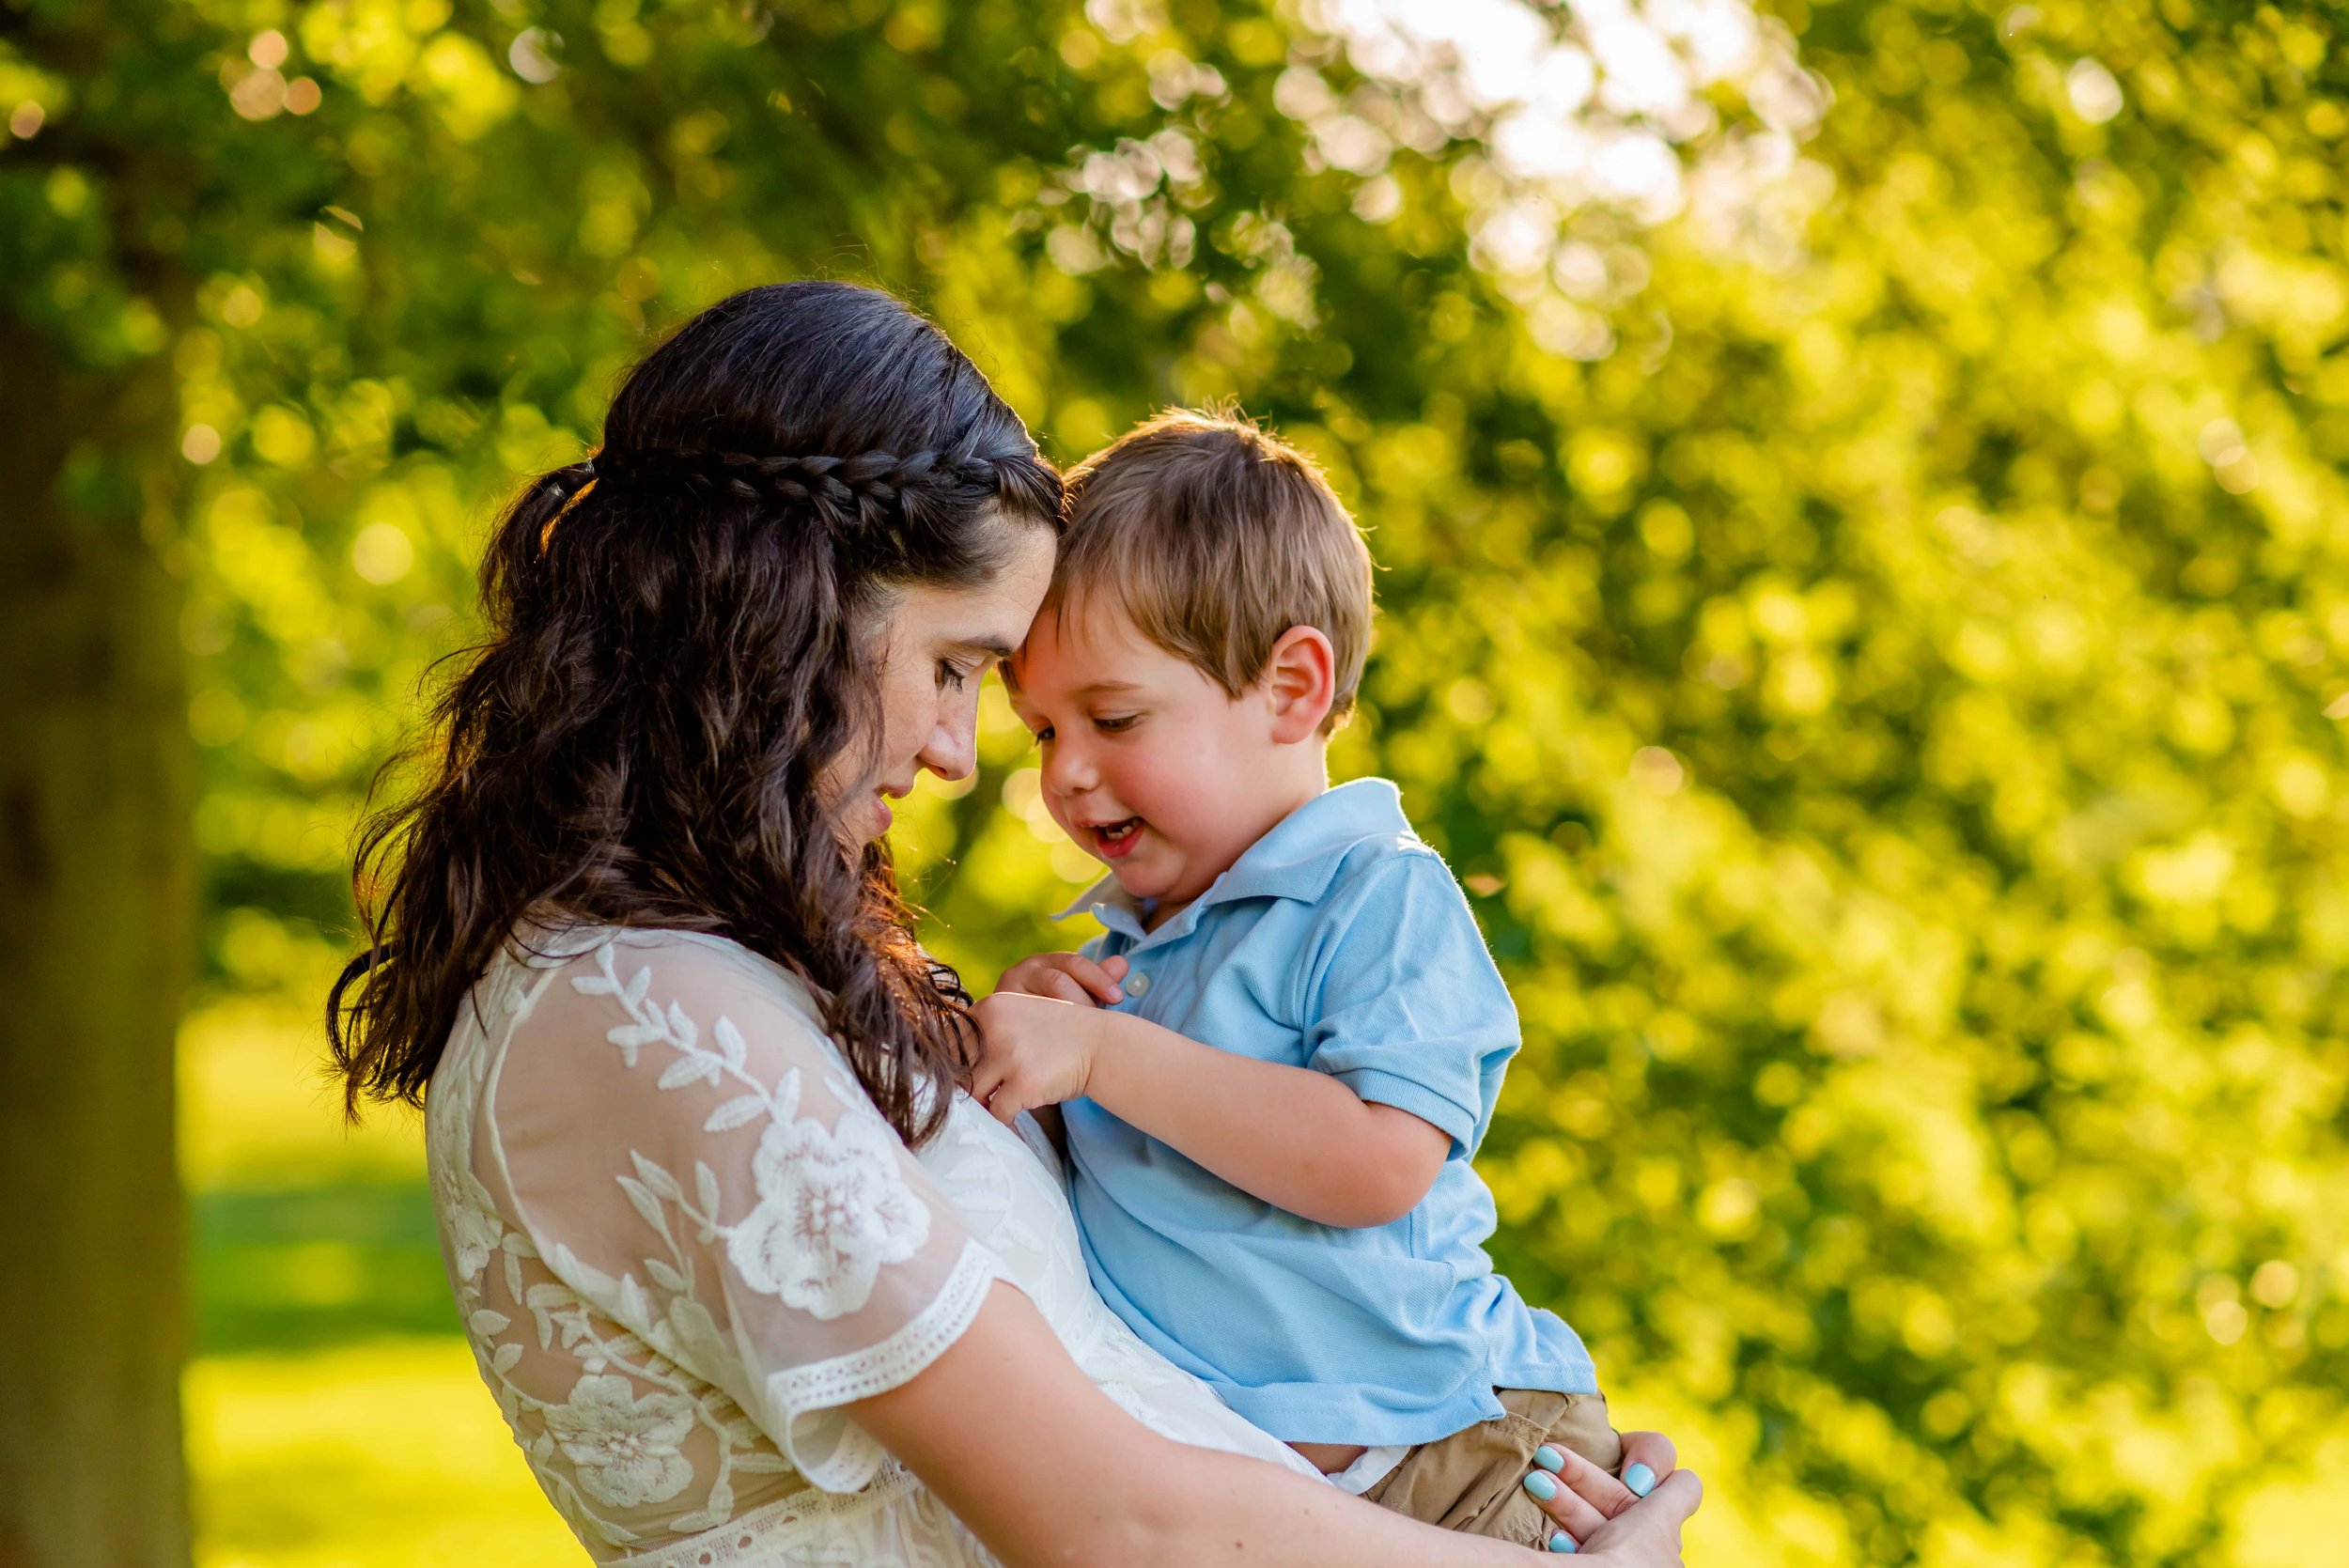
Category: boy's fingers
[1062,986]
[1063,976]
[1041,974]
[1021,977]
[1097,983]
[1115,968]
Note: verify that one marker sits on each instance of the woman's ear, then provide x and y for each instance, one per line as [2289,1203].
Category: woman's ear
[1300,680]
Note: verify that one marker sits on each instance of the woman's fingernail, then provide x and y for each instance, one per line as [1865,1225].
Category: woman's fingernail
[1561,1541]
[1549,1458]
[1640,1480]
[1540,1485]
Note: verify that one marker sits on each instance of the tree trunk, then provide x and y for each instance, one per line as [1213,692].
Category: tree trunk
[95,934]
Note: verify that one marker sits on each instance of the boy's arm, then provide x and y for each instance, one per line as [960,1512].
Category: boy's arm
[1296,1138]
[1409,1025]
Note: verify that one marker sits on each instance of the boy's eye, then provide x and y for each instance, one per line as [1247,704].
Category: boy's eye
[1043,735]
[1115,722]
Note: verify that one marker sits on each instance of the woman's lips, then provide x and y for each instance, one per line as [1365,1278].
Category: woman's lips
[1114,841]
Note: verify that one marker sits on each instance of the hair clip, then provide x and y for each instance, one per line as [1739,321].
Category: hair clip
[575,498]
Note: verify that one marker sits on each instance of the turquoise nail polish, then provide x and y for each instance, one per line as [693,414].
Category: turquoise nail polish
[1549,1458]
[1561,1541]
[1540,1485]
[1640,1480]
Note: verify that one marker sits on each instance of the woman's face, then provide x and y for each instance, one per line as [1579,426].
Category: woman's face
[936,646]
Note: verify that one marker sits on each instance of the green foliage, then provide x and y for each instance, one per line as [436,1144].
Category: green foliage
[1886,691]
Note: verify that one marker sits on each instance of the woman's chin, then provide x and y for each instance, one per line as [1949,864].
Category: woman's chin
[864,823]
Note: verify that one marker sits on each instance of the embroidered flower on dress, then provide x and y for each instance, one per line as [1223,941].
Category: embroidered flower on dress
[470,1221]
[832,1209]
[624,1448]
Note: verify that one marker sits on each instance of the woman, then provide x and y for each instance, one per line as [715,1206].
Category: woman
[725,1233]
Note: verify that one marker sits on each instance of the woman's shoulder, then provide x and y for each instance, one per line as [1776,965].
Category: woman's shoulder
[660,976]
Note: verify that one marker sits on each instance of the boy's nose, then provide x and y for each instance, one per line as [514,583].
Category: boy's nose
[1067,771]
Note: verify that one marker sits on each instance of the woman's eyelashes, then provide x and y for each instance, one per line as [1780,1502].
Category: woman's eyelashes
[952,676]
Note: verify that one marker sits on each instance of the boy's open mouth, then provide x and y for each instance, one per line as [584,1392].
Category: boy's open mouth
[1113,839]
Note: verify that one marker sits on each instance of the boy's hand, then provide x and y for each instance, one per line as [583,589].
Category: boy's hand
[1033,1050]
[1067,977]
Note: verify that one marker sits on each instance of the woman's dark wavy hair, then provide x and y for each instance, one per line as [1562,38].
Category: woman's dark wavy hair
[678,657]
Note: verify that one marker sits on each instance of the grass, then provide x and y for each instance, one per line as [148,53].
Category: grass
[380,1454]
[335,1417]
[284,1268]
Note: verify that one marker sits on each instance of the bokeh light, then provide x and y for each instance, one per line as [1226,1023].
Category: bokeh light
[1859,495]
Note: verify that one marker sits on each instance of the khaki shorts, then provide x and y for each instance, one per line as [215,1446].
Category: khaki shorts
[1474,1480]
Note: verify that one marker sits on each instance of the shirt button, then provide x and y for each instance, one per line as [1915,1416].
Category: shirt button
[1137,985]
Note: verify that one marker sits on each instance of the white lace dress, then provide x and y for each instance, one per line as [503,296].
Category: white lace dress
[681,1238]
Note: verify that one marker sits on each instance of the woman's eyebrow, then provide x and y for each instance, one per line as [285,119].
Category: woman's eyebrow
[984,648]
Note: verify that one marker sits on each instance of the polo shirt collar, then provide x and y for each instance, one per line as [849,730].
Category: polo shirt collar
[1297,859]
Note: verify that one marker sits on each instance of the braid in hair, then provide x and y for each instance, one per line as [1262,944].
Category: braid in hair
[848,495]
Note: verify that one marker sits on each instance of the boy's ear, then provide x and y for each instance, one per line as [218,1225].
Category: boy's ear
[1302,680]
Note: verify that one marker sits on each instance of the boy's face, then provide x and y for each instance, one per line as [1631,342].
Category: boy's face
[1148,763]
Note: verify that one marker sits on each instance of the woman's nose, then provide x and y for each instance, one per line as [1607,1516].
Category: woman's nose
[954,747]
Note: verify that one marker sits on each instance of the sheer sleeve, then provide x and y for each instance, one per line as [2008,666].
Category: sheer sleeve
[688,1153]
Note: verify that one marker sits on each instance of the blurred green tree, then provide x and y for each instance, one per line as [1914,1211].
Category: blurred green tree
[97,872]
[1859,491]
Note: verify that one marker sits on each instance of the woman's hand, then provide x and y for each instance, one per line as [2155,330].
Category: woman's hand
[1033,1050]
[1583,1497]
[1647,1534]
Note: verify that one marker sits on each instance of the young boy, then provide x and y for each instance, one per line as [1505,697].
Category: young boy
[1288,1044]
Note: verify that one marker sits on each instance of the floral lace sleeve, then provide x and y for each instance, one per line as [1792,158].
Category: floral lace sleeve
[707,1239]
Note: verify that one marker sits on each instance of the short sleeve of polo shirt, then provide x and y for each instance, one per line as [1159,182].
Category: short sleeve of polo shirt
[1406,1008]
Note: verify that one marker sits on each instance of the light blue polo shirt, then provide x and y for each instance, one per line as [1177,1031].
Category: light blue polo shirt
[1339,942]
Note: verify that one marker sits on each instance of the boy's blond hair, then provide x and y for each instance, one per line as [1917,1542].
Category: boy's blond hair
[1214,537]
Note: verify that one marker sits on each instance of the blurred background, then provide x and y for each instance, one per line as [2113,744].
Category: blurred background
[1860,494]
